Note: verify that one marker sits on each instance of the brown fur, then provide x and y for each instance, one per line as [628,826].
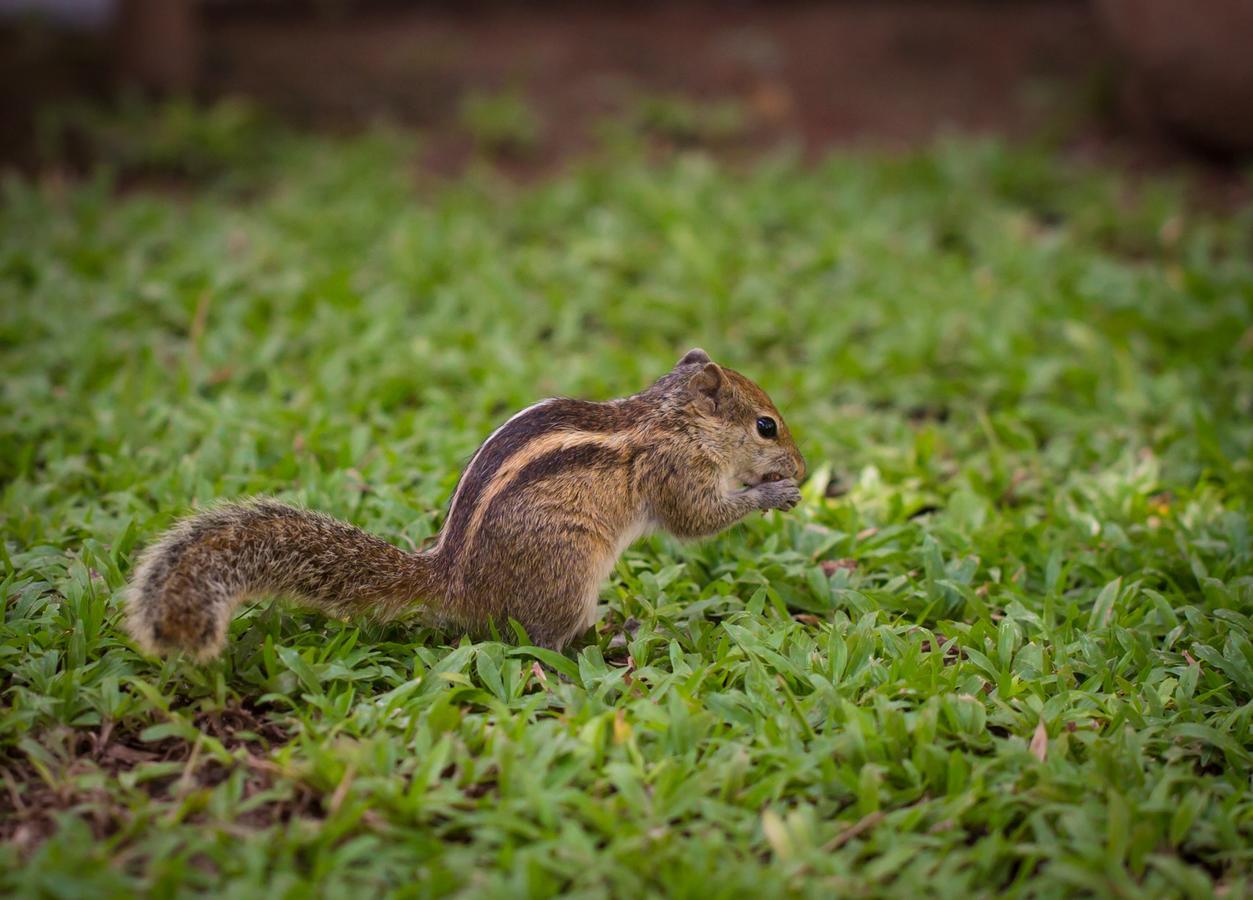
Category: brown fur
[540,515]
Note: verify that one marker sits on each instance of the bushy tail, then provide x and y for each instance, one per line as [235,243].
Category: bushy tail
[188,584]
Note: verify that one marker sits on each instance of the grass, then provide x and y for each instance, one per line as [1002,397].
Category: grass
[502,123]
[1002,647]
[685,121]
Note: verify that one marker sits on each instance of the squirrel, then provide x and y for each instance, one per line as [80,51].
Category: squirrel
[538,518]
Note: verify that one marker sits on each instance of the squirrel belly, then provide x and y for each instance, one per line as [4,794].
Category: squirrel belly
[539,516]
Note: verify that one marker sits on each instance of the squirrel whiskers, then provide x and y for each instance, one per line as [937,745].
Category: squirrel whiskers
[540,515]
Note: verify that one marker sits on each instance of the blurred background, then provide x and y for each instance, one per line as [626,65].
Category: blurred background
[528,85]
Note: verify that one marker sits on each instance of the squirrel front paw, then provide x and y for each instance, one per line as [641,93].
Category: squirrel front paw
[783,494]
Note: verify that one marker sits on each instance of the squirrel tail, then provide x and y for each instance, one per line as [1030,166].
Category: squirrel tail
[188,584]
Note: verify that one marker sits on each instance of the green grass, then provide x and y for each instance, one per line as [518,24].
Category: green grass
[502,123]
[1003,646]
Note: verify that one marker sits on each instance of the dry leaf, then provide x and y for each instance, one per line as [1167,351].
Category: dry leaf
[866,822]
[831,566]
[776,834]
[341,790]
[621,727]
[1040,742]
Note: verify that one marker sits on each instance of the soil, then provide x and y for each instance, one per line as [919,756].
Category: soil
[891,73]
[29,802]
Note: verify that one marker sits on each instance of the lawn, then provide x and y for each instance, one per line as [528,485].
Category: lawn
[1003,645]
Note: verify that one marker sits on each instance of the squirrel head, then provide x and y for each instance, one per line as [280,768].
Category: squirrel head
[733,420]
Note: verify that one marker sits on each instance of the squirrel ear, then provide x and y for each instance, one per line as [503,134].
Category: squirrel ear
[705,387]
[695,355]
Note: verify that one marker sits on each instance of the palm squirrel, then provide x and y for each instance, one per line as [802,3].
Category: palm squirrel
[538,518]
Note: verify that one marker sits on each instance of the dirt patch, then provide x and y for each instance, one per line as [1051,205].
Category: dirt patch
[892,73]
[86,779]
[536,85]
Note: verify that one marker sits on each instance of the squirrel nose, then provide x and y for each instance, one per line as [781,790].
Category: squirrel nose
[798,467]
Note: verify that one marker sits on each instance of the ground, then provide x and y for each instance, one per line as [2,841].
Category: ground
[1002,647]
[546,81]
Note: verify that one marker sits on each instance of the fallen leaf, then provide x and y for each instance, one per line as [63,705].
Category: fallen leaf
[776,833]
[540,675]
[831,566]
[341,790]
[621,727]
[772,101]
[866,822]
[1040,742]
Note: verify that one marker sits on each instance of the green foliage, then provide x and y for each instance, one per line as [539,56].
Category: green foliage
[502,123]
[1002,647]
[176,138]
[688,121]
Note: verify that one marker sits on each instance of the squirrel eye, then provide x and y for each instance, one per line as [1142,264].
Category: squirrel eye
[767,427]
